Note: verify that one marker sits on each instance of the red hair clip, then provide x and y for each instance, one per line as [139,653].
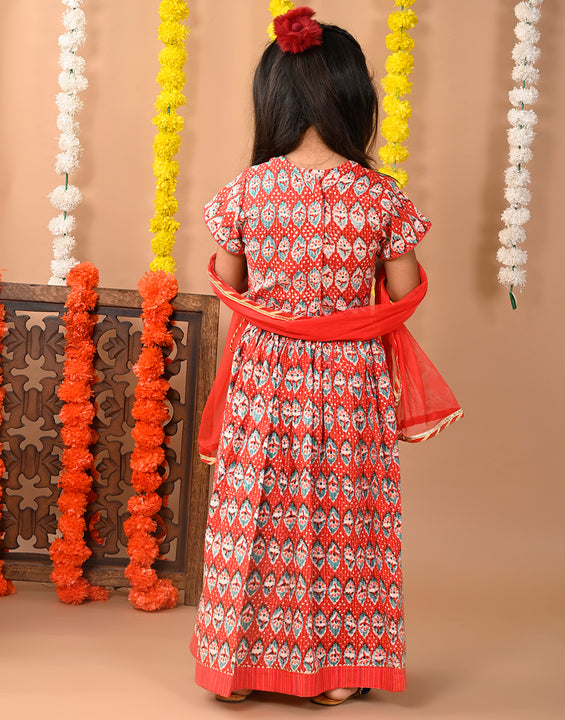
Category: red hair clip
[296,31]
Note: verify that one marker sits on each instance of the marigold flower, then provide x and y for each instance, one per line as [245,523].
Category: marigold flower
[146,482]
[172,32]
[395,107]
[399,63]
[396,85]
[401,176]
[147,505]
[399,41]
[173,10]
[148,435]
[165,224]
[163,243]
[402,20]
[173,57]
[162,596]
[170,99]
[171,78]
[165,264]
[391,154]
[169,122]
[139,524]
[395,129]
[278,7]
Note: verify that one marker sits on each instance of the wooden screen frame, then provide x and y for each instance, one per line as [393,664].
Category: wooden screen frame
[205,310]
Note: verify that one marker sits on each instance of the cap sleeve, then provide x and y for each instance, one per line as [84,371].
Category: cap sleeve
[402,225]
[224,216]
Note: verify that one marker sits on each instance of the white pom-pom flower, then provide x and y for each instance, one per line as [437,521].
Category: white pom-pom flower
[521,136]
[512,235]
[66,163]
[65,198]
[72,82]
[67,125]
[71,61]
[526,32]
[516,176]
[525,118]
[526,12]
[63,247]
[525,73]
[517,195]
[61,225]
[72,40]
[520,155]
[523,96]
[68,103]
[73,3]
[60,270]
[69,143]
[511,256]
[516,216]
[74,19]
[512,277]
[524,52]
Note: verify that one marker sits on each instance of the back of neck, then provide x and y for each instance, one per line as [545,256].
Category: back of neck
[313,153]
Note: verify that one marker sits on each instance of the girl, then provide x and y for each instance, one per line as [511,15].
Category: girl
[302,577]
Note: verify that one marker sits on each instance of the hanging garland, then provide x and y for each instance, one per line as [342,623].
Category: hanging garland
[67,197]
[158,287]
[69,551]
[150,412]
[520,136]
[172,33]
[6,587]
[276,8]
[399,65]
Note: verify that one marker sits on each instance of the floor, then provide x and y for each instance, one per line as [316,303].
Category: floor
[107,660]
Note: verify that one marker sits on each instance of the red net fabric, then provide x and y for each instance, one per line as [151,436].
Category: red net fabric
[426,404]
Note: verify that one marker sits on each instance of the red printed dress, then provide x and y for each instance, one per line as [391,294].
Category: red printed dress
[302,569]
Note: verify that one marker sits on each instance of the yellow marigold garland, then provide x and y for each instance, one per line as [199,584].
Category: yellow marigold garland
[171,78]
[158,288]
[276,8]
[399,65]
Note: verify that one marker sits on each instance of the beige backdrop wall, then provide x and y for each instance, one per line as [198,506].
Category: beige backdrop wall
[482,503]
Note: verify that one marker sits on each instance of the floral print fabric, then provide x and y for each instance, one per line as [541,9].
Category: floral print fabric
[302,571]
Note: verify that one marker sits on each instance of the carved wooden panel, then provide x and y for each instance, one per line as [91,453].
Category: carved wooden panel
[32,363]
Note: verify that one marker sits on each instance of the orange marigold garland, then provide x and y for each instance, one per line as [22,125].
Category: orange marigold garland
[69,551]
[148,592]
[6,587]
[158,287]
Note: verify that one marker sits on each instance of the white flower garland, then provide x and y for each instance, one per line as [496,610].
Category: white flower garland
[67,197]
[520,136]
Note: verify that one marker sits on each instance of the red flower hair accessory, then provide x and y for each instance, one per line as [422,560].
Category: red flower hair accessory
[296,31]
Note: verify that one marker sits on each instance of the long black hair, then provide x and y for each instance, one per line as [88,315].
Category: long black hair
[327,87]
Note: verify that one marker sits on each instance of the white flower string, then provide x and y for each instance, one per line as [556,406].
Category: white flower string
[67,197]
[520,136]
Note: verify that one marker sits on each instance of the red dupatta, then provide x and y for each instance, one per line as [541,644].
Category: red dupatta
[425,403]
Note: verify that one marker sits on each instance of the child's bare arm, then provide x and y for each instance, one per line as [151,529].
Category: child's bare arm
[232,269]
[402,275]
